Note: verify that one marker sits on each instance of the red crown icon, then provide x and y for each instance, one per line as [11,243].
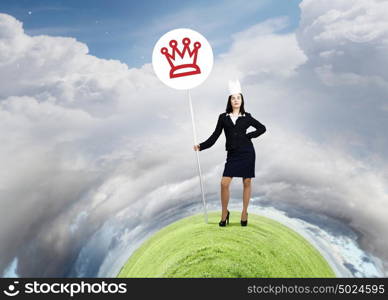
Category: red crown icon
[185,65]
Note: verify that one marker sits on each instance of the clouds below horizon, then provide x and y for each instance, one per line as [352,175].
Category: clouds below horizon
[75,157]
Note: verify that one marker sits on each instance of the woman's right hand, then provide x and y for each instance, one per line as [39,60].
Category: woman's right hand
[196,147]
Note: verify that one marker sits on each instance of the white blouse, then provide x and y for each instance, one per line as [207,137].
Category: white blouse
[233,117]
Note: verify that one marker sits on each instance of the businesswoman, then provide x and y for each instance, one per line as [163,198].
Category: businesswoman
[241,156]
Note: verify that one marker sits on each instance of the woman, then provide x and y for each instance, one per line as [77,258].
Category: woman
[240,161]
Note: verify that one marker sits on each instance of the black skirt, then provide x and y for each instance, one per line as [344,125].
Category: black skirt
[240,162]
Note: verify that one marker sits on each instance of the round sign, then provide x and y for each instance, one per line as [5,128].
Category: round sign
[182,58]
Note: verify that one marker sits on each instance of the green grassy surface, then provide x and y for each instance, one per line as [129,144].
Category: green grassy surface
[192,248]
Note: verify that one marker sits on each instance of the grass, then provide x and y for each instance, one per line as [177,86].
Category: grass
[192,248]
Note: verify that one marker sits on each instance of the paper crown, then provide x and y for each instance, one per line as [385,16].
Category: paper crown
[234,87]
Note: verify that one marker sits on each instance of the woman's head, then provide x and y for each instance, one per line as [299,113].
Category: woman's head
[235,101]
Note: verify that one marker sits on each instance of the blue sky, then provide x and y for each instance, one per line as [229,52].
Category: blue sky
[99,156]
[127,30]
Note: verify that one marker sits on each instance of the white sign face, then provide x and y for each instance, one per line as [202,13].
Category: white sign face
[182,58]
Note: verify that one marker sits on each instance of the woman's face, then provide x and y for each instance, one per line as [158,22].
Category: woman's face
[235,100]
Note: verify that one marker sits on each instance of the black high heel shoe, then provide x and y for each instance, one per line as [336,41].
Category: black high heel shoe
[244,223]
[223,222]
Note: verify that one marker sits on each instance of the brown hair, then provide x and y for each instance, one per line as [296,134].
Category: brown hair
[229,107]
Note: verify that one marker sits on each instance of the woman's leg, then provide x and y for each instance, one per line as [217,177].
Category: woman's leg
[225,183]
[246,197]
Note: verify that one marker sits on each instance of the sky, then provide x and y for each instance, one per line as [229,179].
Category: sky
[127,30]
[97,152]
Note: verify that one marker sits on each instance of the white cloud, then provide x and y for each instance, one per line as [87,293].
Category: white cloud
[90,135]
[258,51]
[355,30]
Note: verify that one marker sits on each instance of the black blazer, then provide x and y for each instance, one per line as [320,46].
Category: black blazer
[235,134]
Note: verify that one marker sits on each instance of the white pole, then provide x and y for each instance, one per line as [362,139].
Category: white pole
[199,166]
